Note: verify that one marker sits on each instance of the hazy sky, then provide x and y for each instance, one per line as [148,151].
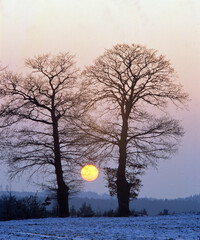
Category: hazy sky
[86,28]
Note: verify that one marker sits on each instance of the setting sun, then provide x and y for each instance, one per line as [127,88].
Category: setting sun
[89,173]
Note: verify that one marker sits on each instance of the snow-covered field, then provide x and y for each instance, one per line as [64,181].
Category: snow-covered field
[159,227]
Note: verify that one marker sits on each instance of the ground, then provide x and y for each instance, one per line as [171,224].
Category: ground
[139,228]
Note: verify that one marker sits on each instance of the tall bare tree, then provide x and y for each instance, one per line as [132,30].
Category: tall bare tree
[127,92]
[36,109]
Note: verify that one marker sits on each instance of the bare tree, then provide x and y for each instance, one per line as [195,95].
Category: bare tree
[125,119]
[36,109]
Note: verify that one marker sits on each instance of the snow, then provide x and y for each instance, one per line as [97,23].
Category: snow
[140,228]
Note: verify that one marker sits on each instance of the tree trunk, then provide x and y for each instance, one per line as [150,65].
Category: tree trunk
[63,200]
[63,189]
[123,187]
[123,192]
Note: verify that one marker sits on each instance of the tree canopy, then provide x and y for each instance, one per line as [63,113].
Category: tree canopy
[38,108]
[115,113]
[127,91]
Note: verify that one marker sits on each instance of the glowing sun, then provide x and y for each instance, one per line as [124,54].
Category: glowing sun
[89,172]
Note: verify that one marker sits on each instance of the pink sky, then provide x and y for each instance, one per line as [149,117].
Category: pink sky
[86,28]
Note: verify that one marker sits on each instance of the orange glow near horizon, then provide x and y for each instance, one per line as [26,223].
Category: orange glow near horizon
[89,173]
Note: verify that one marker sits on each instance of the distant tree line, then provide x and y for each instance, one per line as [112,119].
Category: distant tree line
[87,211]
[22,208]
[29,207]
[152,206]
